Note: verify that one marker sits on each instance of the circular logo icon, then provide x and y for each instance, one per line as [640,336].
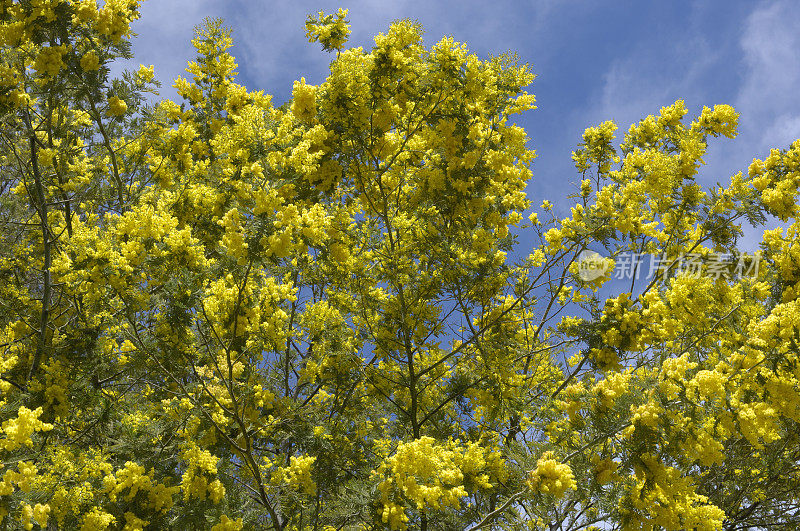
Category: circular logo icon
[591,265]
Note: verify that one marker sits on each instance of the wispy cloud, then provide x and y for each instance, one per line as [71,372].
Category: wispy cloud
[630,82]
[769,99]
[641,83]
[269,35]
[751,60]
[272,45]
[164,34]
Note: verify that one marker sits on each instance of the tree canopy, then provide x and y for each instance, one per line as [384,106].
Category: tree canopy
[224,314]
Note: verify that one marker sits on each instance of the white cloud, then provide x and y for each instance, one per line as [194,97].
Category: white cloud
[634,86]
[641,83]
[784,130]
[768,98]
[269,35]
[164,33]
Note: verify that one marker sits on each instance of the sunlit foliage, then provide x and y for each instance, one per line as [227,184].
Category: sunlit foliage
[219,313]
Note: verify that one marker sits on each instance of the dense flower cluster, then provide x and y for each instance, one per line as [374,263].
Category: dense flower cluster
[551,477]
[331,32]
[432,476]
[221,313]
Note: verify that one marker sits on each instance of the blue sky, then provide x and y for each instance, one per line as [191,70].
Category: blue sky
[594,60]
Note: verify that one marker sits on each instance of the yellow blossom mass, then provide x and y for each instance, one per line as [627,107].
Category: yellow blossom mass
[344,311]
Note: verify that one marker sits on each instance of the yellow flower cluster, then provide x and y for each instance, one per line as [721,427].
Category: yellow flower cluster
[195,483]
[432,475]
[722,120]
[613,386]
[97,520]
[23,476]
[551,477]
[704,447]
[708,385]
[134,523]
[757,422]
[304,106]
[592,269]
[233,239]
[596,148]
[297,475]
[646,414]
[18,430]
[605,469]
[117,106]
[90,61]
[49,61]
[777,178]
[40,513]
[331,32]
[660,496]
[132,476]
[114,19]
[226,524]
[55,387]
[274,265]
[394,516]
[145,73]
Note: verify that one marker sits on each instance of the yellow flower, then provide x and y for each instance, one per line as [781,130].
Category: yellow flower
[48,62]
[145,73]
[134,523]
[41,514]
[90,61]
[117,106]
[297,474]
[331,33]
[18,430]
[304,105]
[552,477]
[226,524]
[97,520]
[605,470]
[722,120]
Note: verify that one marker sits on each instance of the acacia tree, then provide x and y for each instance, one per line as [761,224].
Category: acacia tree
[224,314]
